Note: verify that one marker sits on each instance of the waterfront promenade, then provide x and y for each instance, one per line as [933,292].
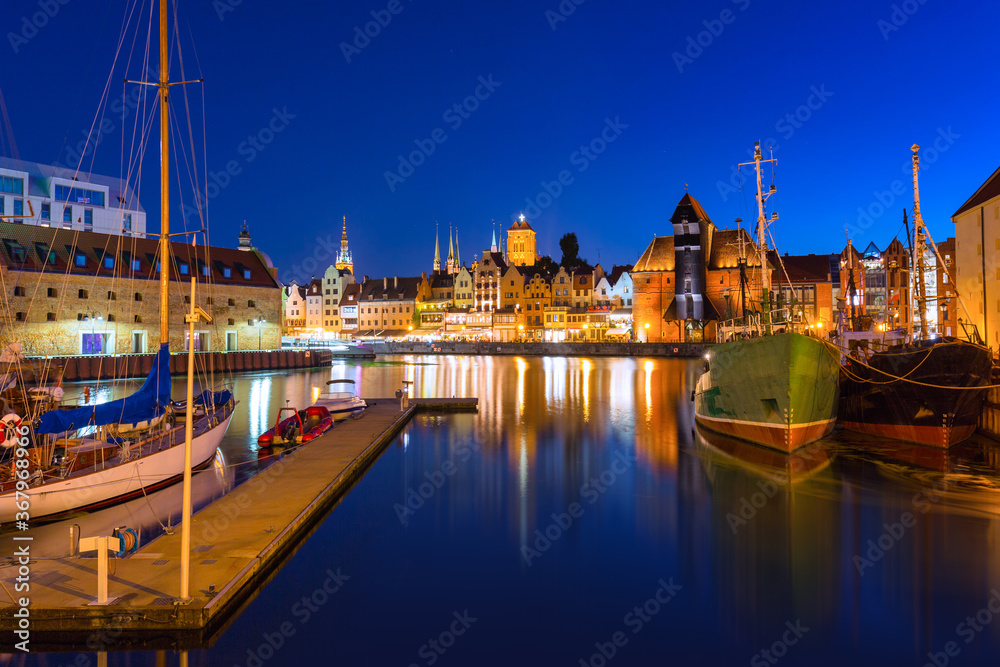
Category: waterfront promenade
[237,542]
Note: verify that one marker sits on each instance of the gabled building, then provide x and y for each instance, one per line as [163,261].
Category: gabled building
[294,309]
[464,290]
[680,281]
[521,245]
[349,310]
[314,306]
[537,297]
[583,288]
[486,275]
[621,286]
[335,281]
[562,288]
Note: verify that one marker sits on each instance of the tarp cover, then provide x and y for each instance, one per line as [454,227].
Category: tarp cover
[145,404]
[214,398]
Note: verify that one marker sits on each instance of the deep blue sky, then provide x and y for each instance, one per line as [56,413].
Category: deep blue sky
[608,60]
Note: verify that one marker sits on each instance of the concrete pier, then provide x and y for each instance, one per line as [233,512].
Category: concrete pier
[237,543]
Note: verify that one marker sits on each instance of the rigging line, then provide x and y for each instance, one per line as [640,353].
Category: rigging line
[187,108]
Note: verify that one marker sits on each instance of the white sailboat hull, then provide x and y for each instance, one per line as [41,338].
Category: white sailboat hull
[115,483]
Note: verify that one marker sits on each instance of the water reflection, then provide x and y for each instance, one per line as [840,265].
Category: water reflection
[880,549]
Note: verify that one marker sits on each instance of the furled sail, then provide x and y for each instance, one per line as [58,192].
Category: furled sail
[149,402]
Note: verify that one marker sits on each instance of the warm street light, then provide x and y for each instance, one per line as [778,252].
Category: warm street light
[259,322]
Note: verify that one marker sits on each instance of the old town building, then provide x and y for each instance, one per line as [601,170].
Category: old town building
[75,292]
[977,259]
[522,247]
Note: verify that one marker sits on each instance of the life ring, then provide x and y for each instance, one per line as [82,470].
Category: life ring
[676,350]
[11,430]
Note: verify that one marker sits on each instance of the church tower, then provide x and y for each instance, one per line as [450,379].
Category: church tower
[450,266]
[245,243]
[437,250]
[344,256]
[521,248]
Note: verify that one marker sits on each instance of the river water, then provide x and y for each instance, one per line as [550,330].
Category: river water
[580,518]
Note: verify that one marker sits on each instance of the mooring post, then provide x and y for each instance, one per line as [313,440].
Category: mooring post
[102,544]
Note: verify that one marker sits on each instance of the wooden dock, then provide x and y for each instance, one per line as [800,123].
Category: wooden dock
[237,543]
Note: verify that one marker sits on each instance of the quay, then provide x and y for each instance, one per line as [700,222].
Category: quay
[100,367]
[560,349]
[238,542]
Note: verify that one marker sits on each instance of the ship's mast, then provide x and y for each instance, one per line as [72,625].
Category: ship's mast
[762,234]
[164,86]
[919,240]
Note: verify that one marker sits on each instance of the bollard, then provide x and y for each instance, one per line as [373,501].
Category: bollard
[74,540]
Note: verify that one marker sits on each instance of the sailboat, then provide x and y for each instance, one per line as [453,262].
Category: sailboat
[94,456]
[928,390]
[765,382]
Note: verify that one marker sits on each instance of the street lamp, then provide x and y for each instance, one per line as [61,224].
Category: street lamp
[259,322]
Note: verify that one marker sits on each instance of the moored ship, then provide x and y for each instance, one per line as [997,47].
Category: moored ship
[767,383]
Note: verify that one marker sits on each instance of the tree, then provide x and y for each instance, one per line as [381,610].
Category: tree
[546,266]
[570,250]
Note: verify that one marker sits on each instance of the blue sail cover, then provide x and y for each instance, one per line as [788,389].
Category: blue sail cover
[147,403]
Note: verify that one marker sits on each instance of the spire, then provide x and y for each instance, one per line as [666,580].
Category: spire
[493,244]
[437,250]
[344,262]
[245,243]
[458,256]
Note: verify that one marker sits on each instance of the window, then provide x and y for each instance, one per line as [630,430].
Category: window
[46,211]
[204,270]
[232,302]
[80,259]
[135,265]
[210,301]
[11,185]
[18,207]
[51,293]
[109,262]
[183,268]
[231,321]
[68,214]
[18,291]
[127,222]
[187,298]
[79,195]
[45,254]
[88,219]
[82,294]
[19,317]
[227,273]
[251,304]
[138,319]
[246,274]
[112,296]
[111,317]
[50,317]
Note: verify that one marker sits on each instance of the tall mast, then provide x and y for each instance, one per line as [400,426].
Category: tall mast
[765,273]
[164,179]
[919,237]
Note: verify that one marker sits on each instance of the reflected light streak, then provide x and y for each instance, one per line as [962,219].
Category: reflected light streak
[648,366]
[522,366]
[315,394]
[586,389]
[260,397]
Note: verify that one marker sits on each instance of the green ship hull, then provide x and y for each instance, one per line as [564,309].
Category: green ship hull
[780,391]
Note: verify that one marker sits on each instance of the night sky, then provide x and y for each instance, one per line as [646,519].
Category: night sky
[625,101]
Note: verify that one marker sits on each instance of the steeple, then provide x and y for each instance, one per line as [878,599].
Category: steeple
[245,243]
[493,243]
[450,267]
[344,261]
[458,256]
[437,250]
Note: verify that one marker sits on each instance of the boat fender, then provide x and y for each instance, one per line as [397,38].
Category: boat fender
[676,350]
[11,429]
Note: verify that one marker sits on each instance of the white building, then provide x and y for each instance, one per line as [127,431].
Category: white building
[48,196]
[335,281]
[294,297]
[314,306]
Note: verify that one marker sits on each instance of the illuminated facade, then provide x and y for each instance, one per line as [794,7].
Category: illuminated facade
[521,246]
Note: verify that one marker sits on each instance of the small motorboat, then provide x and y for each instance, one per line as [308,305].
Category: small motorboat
[341,404]
[298,427]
